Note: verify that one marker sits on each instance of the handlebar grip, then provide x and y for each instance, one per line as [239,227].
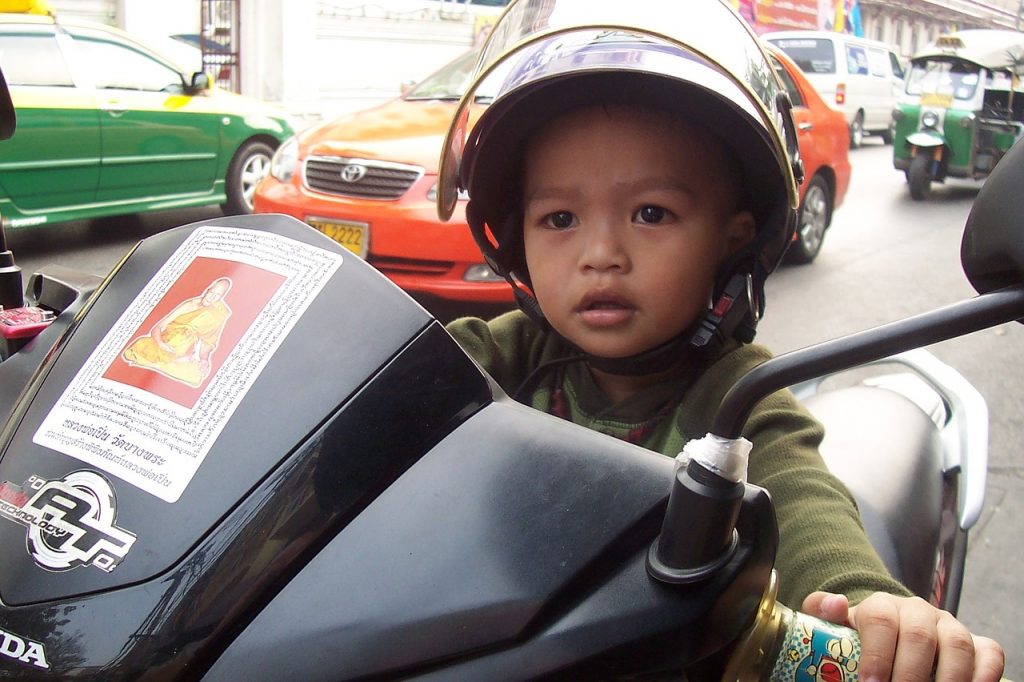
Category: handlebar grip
[783,644]
[810,648]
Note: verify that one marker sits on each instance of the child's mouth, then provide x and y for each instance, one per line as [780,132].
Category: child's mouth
[603,310]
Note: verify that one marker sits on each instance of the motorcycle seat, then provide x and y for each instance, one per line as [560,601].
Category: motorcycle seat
[888,452]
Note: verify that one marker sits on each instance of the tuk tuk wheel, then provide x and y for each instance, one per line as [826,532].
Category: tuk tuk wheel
[857,130]
[815,215]
[919,177]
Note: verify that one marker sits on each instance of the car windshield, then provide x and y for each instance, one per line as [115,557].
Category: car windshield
[955,78]
[452,80]
[812,55]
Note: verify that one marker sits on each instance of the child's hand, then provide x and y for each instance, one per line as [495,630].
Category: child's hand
[902,638]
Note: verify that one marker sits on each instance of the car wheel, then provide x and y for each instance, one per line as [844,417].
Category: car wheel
[857,131]
[250,164]
[919,177]
[814,218]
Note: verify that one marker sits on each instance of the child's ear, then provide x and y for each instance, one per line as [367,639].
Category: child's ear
[740,230]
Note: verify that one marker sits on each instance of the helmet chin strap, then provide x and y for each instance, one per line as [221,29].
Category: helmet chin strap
[736,305]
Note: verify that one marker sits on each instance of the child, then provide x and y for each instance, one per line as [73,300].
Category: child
[636,192]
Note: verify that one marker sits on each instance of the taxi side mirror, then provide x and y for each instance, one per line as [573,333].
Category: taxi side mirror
[200,82]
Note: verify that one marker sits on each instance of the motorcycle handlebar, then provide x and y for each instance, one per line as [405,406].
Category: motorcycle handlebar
[783,644]
[957,319]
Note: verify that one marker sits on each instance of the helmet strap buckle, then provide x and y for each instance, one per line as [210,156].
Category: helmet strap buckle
[735,303]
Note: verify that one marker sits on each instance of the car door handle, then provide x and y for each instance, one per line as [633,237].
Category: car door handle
[805,126]
[115,109]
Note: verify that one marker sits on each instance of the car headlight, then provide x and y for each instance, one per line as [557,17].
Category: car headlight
[282,166]
[929,119]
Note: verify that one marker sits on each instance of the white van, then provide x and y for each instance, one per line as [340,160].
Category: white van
[860,77]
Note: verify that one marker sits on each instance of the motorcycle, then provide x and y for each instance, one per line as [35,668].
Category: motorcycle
[245,454]
[961,110]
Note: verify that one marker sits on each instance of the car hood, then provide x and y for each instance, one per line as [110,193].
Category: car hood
[231,102]
[402,131]
[258,114]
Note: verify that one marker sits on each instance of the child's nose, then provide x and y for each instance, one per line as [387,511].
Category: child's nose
[603,248]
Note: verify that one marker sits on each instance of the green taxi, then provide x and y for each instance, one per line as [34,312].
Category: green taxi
[108,126]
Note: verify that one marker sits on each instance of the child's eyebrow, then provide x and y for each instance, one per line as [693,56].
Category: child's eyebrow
[645,184]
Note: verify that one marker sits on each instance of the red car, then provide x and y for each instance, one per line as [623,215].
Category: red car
[824,140]
[368,179]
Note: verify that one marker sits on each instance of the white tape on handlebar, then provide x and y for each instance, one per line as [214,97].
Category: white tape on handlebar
[725,456]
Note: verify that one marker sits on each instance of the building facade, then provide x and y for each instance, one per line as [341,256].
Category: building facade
[910,25]
[324,57]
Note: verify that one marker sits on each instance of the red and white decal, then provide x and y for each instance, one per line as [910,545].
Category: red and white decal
[155,394]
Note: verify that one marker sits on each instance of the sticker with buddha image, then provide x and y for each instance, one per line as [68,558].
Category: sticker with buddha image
[817,651]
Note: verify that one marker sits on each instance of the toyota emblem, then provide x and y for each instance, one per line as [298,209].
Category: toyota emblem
[353,172]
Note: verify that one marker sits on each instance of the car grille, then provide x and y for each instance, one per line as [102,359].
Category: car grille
[409,266]
[360,178]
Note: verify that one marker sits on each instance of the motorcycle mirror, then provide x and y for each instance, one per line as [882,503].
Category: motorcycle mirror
[7,118]
[992,250]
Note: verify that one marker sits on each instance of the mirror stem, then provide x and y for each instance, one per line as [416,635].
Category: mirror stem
[986,310]
[10,276]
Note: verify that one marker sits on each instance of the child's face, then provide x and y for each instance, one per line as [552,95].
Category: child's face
[627,216]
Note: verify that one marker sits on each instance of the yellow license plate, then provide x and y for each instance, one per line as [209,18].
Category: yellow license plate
[353,236]
[936,99]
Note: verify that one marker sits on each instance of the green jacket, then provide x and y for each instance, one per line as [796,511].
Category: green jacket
[822,545]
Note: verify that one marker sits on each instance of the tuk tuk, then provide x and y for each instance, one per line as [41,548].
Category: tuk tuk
[962,108]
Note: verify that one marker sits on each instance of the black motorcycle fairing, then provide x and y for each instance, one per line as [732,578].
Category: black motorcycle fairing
[515,549]
[175,624]
[316,369]
[516,535]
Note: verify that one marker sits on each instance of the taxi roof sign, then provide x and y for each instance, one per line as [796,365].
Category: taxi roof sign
[993,49]
[949,40]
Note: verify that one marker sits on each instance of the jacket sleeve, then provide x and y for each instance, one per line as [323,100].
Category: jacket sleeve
[822,543]
[505,347]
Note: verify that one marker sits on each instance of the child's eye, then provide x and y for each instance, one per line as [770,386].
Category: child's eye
[650,214]
[560,220]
